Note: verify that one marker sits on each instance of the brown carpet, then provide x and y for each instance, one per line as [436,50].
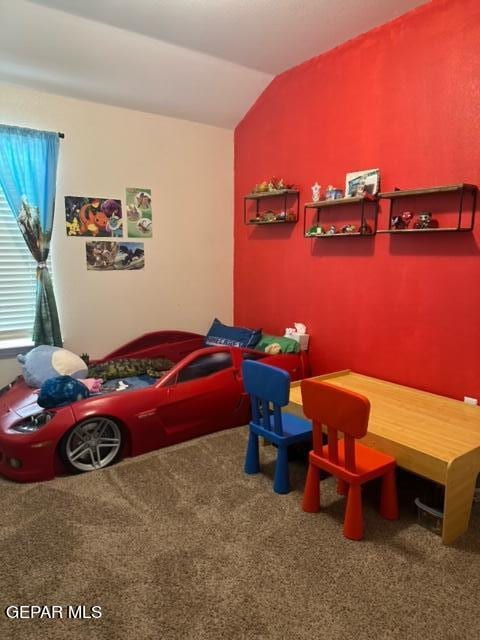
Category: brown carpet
[181,544]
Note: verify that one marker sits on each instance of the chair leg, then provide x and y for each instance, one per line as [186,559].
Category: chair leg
[342,487]
[311,494]
[281,482]
[353,524]
[252,460]
[388,497]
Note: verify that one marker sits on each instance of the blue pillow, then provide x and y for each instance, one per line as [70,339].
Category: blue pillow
[221,334]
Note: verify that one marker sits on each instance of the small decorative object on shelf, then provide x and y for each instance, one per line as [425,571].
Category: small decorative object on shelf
[332,231]
[425,221]
[402,221]
[316,230]
[332,193]
[456,204]
[267,216]
[316,192]
[261,188]
[349,228]
[272,185]
[359,183]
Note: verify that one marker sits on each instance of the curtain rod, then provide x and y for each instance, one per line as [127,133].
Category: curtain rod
[61,135]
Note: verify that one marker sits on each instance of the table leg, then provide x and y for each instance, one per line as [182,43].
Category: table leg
[459,491]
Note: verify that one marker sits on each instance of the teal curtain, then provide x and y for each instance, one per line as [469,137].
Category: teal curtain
[28,171]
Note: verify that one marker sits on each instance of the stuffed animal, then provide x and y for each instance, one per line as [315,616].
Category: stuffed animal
[273,349]
[44,362]
[60,391]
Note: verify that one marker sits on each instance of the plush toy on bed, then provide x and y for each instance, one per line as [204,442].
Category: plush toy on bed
[273,349]
[44,362]
[60,391]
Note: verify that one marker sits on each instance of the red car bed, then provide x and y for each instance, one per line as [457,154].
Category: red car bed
[201,393]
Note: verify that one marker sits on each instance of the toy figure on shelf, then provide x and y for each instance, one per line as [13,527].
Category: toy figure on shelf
[349,228]
[261,188]
[402,221]
[271,185]
[316,230]
[425,221]
[332,231]
[316,189]
[332,193]
[267,216]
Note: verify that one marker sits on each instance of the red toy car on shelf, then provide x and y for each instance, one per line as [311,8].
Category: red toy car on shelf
[201,393]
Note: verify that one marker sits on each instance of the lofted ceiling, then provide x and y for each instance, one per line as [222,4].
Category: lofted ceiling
[201,60]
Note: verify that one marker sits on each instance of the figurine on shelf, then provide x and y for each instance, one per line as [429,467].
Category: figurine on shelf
[316,192]
[261,188]
[332,231]
[332,193]
[349,228]
[282,216]
[402,221]
[272,185]
[425,221]
[316,230]
[266,216]
[365,229]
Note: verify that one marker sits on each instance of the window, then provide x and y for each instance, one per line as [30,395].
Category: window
[205,366]
[17,279]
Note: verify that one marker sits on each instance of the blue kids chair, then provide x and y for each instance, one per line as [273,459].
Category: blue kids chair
[269,389]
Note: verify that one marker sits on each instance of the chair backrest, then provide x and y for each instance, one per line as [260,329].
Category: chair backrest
[269,389]
[339,410]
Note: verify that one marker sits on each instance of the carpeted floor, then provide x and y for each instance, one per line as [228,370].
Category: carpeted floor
[180,544]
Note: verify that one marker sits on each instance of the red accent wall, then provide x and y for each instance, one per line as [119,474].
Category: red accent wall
[404,97]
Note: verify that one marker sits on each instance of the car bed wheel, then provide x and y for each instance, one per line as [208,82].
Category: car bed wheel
[91,444]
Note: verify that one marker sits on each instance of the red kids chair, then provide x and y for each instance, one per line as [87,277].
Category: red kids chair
[351,463]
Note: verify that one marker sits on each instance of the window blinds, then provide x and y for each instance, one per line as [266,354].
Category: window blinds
[17,279]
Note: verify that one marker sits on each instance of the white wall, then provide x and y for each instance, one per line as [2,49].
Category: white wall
[188,275]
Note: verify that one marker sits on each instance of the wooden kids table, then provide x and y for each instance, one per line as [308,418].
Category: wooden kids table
[430,435]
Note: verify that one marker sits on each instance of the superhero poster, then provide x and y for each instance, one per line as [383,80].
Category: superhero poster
[93,217]
[114,256]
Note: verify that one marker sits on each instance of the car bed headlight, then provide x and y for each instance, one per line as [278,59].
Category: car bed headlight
[32,423]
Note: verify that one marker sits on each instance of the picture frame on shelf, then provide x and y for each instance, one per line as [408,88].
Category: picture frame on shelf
[359,183]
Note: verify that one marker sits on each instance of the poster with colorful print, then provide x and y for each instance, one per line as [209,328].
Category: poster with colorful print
[114,256]
[139,212]
[93,217]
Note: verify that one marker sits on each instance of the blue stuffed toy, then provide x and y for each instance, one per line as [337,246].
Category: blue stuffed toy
[44,362]
[62,390]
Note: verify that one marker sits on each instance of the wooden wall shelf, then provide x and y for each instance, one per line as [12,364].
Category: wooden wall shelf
[403,193]
[282,195]
[270,194]
[360,203]
[464,191]
[338,201]
[439,230]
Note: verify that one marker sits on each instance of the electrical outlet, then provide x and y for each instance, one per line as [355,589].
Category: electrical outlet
[472,401]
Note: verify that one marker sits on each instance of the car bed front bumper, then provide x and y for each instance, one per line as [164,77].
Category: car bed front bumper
[31,457]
